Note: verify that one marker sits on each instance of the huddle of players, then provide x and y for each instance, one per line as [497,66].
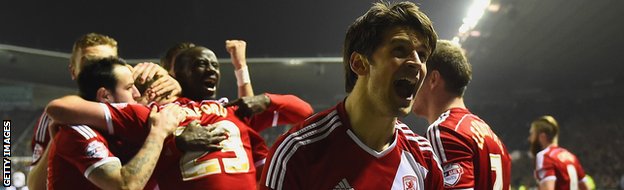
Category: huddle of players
[394,65]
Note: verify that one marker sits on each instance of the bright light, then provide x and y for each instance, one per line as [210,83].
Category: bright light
[475,13]
[494,8]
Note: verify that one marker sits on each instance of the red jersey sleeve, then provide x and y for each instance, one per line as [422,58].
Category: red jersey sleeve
[259,148]
[455,157]
[284,109]
[545,168]
[127,121]
[84,148]
[41,138]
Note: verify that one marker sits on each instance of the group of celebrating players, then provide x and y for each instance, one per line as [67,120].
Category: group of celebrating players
[162,126]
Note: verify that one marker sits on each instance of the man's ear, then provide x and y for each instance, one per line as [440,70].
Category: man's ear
[359,64]
[542,138]
[434,79]
[103,95]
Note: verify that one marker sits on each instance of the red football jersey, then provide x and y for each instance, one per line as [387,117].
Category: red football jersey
[472,156]
[77,151]
[324,153]
[283,109]
[556,163]
[40,138]
[232,167]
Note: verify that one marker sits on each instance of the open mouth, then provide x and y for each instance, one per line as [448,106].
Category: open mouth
[210,84]
[406,88]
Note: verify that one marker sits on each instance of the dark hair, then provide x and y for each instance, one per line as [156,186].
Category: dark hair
[98,72]
[169,58]
[449,59]
[366,33]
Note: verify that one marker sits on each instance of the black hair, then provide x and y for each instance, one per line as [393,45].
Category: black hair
[96,73]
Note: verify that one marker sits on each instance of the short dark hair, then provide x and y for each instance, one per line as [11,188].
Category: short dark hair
[449,59]
[172,52]
[98,72]
[366,33]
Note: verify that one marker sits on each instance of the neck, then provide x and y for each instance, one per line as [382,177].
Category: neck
[547,144]
[443,104]
[372,127]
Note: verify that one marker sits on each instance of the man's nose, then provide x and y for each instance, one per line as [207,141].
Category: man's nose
[135,92]
[413,61]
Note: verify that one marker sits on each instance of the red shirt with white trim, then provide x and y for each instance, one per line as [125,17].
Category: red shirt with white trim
[41,138]
[472,156]
[232,167]
[324,153]
[556,163]
[283,109]
[75,152]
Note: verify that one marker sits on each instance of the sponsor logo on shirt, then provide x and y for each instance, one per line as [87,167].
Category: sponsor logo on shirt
[410,182]
[37,152]
[343,185]
[96,149]
[452,174]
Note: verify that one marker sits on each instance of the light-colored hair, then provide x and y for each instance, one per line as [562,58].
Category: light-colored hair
[548,125]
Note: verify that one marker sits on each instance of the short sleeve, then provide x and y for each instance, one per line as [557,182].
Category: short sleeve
[283,110]
[84,148]
[545,168]
[41,138]
[127,121]
[455,156]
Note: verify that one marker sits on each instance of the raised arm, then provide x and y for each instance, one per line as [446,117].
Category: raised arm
[135,174]
[237,49]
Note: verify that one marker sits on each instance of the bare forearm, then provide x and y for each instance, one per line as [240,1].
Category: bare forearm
[245,91]
[137,171]
[75,110]
[38,175]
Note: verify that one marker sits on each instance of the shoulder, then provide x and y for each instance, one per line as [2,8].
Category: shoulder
[414,140]
[309,133]
[81,132]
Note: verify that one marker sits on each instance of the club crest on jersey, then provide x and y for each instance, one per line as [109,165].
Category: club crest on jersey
[410,182]
[452,174]
[37,152]
[96,149]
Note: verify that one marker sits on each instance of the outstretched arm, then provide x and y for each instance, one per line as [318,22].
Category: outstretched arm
[135,174]
[74,110]
[267,110]
[237,49]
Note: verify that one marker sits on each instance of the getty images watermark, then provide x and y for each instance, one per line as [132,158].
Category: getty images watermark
[6,153]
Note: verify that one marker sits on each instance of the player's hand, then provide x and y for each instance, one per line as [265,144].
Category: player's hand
[163,88]
[167,119]
[200,138]
[237,49]
[249,106]
[146,71]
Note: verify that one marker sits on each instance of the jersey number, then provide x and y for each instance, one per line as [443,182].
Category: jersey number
[193,166]
[496,165]
[573,177]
